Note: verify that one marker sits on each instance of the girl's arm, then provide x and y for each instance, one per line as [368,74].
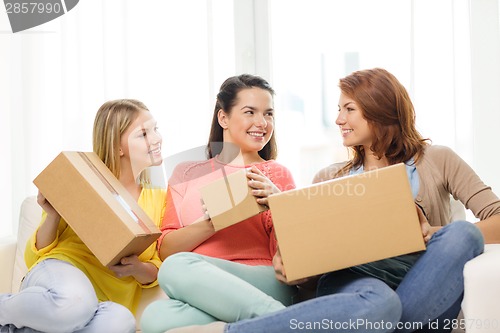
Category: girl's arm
[463,183]
[186,239]
[176,235]
[490,228]
[47,232]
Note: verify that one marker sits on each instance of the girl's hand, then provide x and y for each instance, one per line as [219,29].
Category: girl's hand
[427,230]
[143,272]
[205,218]
[261,186]
[206,215]
[47,207]
[47,232]
[128,266]
[279,271]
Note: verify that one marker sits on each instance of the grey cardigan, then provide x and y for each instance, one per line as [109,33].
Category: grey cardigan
[442,173]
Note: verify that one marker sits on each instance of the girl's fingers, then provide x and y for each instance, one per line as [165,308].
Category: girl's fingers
[260,193]
[256,170]
[255,178]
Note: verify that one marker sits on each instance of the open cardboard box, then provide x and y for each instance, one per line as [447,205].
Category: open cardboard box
[346,222]
[229,200]
[96,206]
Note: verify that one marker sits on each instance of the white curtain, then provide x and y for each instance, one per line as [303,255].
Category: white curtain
[169,54]
[173,55]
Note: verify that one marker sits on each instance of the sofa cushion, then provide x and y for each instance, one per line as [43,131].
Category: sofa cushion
[29,219]
[7,255]
[481,304]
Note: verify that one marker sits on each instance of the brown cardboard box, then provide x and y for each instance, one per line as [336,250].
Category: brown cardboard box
[229,200]
[96,206]
[346,222]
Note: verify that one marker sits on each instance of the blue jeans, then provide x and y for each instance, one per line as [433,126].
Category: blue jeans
[203,289]
[57,297]
[432,290]
[358,303]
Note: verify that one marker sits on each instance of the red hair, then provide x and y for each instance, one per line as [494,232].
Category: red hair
[386,106]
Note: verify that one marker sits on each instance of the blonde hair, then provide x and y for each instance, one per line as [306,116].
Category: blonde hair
[112,119]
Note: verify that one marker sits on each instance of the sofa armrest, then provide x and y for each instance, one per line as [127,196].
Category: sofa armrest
[481,302]
[7,256]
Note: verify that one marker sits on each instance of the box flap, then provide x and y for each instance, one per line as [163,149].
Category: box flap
[229,200]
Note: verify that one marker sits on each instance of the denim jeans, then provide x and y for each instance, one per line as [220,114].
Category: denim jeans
[57,297]
[204,289]
[357,304]
[432,290]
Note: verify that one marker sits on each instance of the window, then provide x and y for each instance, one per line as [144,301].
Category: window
[172,55]
[314,43]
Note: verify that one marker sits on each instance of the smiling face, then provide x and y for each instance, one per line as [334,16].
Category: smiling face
[140,144]
[353,126]
[250,122]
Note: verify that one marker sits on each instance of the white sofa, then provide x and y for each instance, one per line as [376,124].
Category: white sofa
[12,267]
[481,305]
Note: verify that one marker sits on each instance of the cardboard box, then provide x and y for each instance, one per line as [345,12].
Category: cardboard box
[346,222]
[229,200]
[96,206]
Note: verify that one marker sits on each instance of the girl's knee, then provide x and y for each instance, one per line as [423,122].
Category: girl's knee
[176,269]
[113,318]
[392,309]
[180,259]
[72,311]
[163,315]
[383,303]
[382,307]
[153,317]
[122,321]
[465,235]
[470,232]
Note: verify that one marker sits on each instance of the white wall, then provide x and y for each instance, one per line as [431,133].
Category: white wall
[485,46]
[174,58]
[172,55]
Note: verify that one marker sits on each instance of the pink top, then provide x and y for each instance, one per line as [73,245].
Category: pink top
[251,241]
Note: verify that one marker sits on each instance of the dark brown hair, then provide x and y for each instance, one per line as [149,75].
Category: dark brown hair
[226,99]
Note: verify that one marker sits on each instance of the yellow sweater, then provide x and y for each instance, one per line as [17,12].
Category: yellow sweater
[69,247]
